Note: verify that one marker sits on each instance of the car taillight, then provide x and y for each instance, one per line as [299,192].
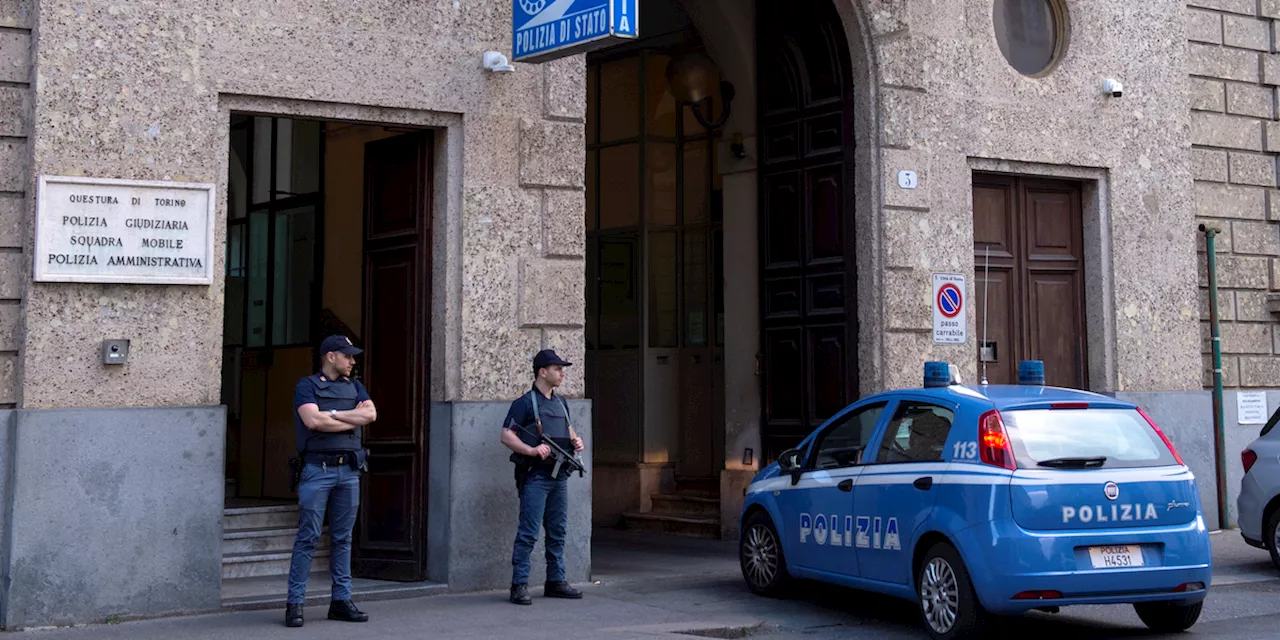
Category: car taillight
[1038,595]
[1248,457]
[1167,442]
[993,441]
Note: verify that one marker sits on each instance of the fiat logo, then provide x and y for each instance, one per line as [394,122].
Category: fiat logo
[1111,490]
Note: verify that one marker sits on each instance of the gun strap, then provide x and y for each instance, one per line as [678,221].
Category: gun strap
[536,419]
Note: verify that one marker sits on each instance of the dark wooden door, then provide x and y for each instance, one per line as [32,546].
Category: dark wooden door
[391,536]
[1035,232]
[809,306]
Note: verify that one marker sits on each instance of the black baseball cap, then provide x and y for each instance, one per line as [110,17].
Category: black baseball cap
[341,344]
[547,358]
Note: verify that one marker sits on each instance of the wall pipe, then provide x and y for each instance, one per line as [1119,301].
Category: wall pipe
[1219,439]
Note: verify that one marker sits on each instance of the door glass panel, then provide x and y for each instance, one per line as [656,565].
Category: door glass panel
[917,433]
[293,276]
[660,112]
[619,293]
[695,288]
[620,181]
[262,128]
[663,314]
[695,182]
[257,299]
[233,307]
[620,100]
[238,177]
[842,443]
[593,189]
[298,159]
[593,103]
[662,183]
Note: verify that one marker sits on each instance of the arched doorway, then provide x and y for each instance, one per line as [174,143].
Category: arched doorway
[808,296]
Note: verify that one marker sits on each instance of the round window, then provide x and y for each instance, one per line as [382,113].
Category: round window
[1031,33]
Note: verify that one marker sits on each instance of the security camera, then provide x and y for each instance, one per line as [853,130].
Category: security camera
[1113,87]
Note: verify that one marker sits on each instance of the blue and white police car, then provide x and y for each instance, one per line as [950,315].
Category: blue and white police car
[985,500]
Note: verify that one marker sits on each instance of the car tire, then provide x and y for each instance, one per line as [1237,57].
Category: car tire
[1168,617]
[1270,532]
[764,566]
[945,594]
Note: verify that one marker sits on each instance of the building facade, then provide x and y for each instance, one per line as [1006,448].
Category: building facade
[728,272]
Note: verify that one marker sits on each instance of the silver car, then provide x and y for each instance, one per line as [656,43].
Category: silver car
[1259,502]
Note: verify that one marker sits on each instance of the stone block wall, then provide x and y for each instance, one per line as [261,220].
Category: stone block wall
[1234,64]
[16,21]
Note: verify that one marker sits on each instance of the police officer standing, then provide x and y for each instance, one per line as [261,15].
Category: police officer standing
[330,410]
[544,499]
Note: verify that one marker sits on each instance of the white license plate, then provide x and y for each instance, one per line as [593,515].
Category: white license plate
[1120,557]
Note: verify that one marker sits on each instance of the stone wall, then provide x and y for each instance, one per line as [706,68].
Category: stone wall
[1235,68]
[134,90]
[16,21]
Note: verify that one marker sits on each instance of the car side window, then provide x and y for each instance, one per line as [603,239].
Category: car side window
[917,433]
[842,444]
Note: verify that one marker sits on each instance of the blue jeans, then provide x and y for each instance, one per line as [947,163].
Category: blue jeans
[335,488]
[543,502]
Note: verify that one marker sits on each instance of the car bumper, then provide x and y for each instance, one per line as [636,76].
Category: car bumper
[1249,508]
[1012,561]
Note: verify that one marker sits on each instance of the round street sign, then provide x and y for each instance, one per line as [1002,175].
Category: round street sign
[950,300]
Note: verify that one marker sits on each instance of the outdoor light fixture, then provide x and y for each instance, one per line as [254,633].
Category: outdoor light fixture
[497,63]
[692,78]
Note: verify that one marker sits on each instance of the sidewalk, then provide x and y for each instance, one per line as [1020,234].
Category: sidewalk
[645,587]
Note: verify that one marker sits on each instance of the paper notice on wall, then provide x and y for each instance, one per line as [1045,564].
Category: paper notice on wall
[1251,406]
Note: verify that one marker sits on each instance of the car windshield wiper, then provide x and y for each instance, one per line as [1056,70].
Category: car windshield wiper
[1095,461]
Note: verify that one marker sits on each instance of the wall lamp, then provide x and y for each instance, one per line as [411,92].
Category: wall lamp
[692,78]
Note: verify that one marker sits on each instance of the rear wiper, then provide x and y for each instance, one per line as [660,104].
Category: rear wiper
[1096,461]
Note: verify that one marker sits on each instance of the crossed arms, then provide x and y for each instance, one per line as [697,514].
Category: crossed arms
[316,420]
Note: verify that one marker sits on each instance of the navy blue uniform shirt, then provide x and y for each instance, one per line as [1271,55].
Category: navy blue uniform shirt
[305,393]
[554,412]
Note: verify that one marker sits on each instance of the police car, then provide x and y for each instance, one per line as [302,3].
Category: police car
[985,500]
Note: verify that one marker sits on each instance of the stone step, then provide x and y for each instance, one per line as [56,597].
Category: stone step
[268,540]
[256,565]
[688,526]
[278,517]
[694,486]
[686,505]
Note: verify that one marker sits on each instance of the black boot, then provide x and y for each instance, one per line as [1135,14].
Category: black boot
[520,594]
[346,611]
[561,590]
[293,615]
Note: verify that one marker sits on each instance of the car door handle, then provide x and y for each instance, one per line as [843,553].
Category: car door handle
[845,485]
[924,484]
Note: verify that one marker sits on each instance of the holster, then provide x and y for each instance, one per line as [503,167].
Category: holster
[523,467]
[295,472]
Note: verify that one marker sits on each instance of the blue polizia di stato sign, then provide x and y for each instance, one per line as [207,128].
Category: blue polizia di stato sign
[548,29]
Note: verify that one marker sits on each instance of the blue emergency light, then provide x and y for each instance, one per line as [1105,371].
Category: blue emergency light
[937,374]
[1031,372]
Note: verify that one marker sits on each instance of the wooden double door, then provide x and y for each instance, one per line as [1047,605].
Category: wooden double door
[1032,231]
[391,532]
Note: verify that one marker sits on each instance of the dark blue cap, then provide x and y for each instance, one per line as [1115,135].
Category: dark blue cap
[339,343]
[546,358]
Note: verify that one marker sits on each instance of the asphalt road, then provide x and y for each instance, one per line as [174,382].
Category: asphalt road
[652,587]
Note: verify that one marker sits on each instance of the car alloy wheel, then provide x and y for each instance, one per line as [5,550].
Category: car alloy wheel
[760,554]
[939,596]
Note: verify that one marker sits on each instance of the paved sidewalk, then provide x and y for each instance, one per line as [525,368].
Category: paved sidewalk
[645,587]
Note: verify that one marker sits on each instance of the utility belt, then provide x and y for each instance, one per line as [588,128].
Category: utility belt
[353,459]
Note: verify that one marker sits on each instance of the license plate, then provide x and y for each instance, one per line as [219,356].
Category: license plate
[1120,557]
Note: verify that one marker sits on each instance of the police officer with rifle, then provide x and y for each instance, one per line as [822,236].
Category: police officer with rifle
[539,434]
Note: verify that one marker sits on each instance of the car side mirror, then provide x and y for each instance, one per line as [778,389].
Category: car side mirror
[790,462]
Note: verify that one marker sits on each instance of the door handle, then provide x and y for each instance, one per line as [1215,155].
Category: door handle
[845,485]
[924,484]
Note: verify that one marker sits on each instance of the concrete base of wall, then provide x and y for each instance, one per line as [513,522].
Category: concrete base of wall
[733,485]
[474,524]
[615,490]
[1187,419]
[112,512]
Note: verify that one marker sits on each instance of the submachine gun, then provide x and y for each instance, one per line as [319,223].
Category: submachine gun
[563,458]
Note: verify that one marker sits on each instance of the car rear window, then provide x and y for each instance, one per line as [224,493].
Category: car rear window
[1123,436]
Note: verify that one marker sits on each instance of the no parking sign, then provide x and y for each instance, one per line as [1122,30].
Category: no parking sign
[949,326]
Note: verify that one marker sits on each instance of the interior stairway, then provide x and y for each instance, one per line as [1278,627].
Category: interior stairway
[692,510]
[257,542]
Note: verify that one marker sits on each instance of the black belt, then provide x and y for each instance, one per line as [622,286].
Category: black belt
[336,457]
